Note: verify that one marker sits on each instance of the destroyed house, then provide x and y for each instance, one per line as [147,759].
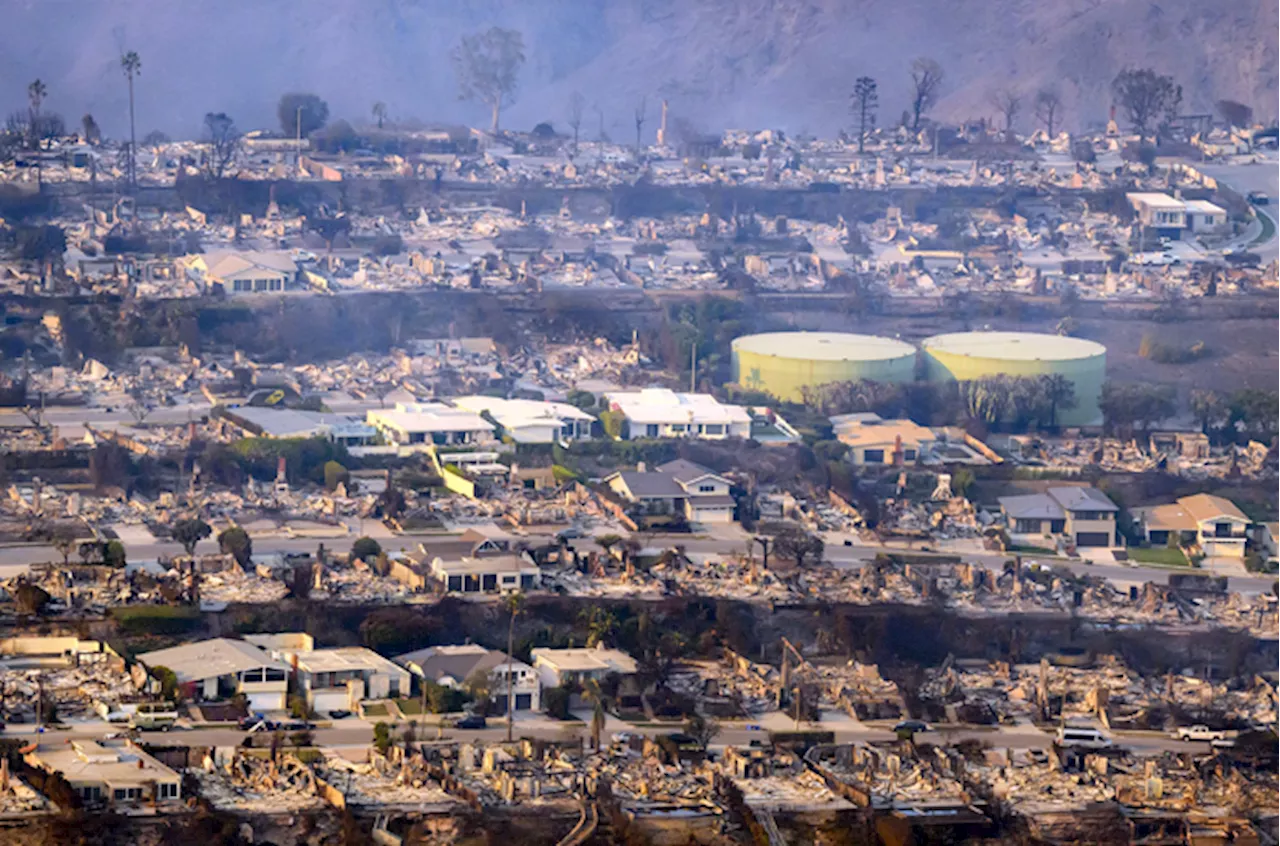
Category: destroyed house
[119,774]
[663,413]
[221,668]
[1083,515]
[452,666]
[1212,523]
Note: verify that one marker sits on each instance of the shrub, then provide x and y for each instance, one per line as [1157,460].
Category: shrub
[156,619]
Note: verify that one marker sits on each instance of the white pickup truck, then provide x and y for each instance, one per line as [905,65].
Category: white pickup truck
[1201,733]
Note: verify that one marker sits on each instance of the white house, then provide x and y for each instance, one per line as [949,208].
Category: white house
[532,421]
[504,573]
[663,413]
[250,272]
[336,679]
[1171,215]
[451,666]
[1214,524]
[221,668]
[557,667]
[429,423]
[709,499]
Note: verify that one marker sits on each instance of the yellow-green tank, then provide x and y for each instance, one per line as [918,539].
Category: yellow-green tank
[784,363]
[967,356]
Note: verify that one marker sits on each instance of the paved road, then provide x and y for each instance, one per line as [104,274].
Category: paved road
[1243,176]
[352,734]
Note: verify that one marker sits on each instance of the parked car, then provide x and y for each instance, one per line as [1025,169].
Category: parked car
[1199,732]
[1259,198]
[256,722]
[297,725]
[912,726]
[471,721]
[1082,736]
[339,715]
[570,533]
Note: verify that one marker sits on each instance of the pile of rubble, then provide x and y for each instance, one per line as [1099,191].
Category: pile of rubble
[892,777]
[405,786]
[253,784]
[647,780]
[73,691]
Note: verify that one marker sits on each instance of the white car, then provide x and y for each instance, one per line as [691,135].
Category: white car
[1200,733]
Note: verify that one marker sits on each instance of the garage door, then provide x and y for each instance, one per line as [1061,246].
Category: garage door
[262,702]
[1093,539]
[524,701]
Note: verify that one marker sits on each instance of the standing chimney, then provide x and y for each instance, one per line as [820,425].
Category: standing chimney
[662,128]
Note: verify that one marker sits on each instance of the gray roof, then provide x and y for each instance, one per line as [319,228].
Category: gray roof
[207,659]
[1082,499]
[685,471]
[651,485]
[457,662]
[1032,507]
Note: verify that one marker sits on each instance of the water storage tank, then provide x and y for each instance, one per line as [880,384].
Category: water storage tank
[966,356]
[783,363]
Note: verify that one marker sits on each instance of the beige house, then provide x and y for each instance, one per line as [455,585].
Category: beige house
[872,440]
[220,668]
[119,773]
[1212,523]
[249,272]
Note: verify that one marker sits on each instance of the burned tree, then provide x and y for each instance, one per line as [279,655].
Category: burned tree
[1048,102]
[926,83]
[224,143]
[865,101]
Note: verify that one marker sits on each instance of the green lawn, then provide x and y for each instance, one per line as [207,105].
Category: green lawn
[377,710]
[1032,550]
[1159,555]
[409,707]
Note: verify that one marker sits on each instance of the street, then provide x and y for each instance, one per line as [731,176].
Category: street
[355,734]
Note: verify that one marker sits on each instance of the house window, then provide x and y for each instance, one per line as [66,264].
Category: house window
[651,430]
[490,581]
[714,428]
[1057,527]
[873,456]
[127,793]
[908,455]
[526,582]
[168,791]
[1222,530]
[1024,526]
[455,583]
[90,793]
[508,580]
[706,488]
[471,583]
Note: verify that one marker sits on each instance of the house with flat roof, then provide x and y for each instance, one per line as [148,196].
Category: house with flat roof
[1082,516]
[663,413]
[872,440]
[558,667]
[451,666]
[220,668]
[532,421]
[118,773]
[499,573]
[336,679]
[1212,523]
[267,422]
[413,423]
[1171,216]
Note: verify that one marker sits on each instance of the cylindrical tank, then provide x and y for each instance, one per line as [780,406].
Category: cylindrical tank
[784,363]
[968,356]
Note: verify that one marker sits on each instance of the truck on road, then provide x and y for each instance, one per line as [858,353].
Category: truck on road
[1201,733]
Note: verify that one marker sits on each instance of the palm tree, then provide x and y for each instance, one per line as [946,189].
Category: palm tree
[514,603]
[601,624]
[595,696]
[36,92]
[380,113]
[132,66]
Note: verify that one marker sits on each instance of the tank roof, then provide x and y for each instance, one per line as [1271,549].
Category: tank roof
[824,346]
[1015,346]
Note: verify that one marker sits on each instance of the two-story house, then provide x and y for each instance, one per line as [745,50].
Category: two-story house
[452,666]
[560,667]
[708,498]
[335,679]
[1212,523]
[1082,516]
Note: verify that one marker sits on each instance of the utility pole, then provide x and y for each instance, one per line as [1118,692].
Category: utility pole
[693,368]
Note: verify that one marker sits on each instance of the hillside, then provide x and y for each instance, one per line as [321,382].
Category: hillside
[785,63]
